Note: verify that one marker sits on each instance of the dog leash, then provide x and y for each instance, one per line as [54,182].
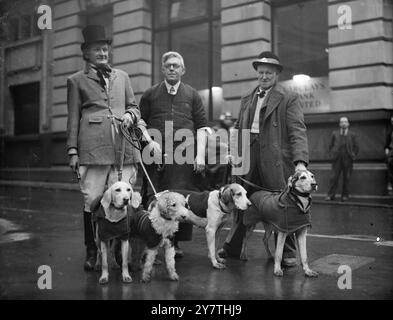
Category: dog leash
[133,136]
[258,187]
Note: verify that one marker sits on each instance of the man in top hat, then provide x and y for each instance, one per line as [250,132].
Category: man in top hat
[95,95]
[278,143]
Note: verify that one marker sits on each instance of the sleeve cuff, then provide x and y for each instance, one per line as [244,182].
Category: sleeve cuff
[72,151]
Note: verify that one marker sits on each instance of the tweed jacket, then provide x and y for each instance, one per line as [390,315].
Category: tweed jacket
[352,146]
[282,134]
[89,126]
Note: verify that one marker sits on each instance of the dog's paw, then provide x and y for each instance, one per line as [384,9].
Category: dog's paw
[221,260]
[244,256]
[278,272]
[219,266]
[146,277]
[126,278]
[310,273]
[174,276]
[103,279]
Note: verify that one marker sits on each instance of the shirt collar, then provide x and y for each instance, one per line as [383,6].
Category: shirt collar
[168,86]
[266,91]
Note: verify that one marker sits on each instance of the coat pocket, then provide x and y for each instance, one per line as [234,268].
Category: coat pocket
[95,119]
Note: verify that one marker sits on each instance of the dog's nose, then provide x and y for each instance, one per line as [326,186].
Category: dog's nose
[126,200]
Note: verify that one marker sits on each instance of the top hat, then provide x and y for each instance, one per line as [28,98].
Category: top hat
[267,57]
[94,33]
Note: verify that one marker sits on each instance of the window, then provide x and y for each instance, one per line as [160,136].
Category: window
[191,27]
[300,36]
[25,98]
[25,26]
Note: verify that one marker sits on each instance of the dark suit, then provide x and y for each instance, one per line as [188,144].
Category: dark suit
[389,159]
[185,110]
[281,142]
[343,149]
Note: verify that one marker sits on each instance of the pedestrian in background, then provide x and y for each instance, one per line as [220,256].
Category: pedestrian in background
[343,149]
[217,168]
[389,155]
[94,96]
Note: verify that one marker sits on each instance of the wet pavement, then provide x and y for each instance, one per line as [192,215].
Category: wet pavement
[44,227]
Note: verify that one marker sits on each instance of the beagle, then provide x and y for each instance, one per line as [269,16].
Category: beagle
[286,212]
[155,228]
[211,210]
[111,216]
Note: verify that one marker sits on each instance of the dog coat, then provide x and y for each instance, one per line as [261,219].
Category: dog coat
[278,209]
[140,226]
[108,230]
[196,201]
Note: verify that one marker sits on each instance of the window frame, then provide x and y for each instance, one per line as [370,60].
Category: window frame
[279,4]
[210,18]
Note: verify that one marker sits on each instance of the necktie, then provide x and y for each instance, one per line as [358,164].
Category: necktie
[172,91]
[103,71]
[261,93]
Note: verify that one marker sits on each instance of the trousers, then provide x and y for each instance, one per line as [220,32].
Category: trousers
[95,179]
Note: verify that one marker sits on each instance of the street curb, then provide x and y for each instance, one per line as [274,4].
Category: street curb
[352,203]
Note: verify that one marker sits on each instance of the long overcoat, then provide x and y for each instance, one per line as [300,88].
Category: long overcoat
[282,134]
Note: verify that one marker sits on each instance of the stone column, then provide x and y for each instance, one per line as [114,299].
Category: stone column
[245,32]
[132,42]
[361,55]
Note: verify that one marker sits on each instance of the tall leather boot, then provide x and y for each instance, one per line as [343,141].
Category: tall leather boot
[91,248]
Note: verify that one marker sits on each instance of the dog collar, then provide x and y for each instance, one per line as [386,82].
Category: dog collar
[298,193]
[219,203]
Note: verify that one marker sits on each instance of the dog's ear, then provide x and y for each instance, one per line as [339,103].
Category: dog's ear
[227,194]
[106,198]
[136,199]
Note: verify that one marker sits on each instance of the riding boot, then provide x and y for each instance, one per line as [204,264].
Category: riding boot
[91,248]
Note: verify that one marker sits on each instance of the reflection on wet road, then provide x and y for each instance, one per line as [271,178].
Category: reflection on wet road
[44,227]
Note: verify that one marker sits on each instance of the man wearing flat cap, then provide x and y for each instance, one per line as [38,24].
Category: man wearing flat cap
[95,96]
[278,143]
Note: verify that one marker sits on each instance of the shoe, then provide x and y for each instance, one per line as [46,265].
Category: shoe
[344,199]
[91,257]
[178,253]
[329,198]
[289,262]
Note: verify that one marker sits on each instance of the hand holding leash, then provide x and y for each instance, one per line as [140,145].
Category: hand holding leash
[128,119]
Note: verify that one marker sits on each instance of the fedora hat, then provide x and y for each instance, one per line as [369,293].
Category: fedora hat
[267,57]
[94,33]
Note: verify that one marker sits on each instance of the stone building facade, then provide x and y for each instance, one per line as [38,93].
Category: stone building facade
[345,47]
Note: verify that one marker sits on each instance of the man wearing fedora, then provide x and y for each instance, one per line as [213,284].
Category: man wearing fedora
[278,143]
[95,96]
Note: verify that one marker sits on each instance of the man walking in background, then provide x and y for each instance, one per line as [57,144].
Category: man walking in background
[343,149]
